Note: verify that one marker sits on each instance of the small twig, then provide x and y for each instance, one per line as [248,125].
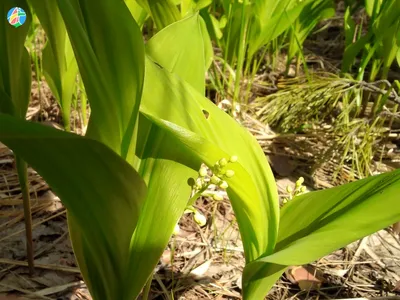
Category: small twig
[373,298]
[372,87]
[41,266]
[22,170]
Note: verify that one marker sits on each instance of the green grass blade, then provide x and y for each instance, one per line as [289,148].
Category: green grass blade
[101,191]
[308,19]
[352,50]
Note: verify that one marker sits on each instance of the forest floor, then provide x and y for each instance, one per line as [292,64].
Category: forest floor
[200,262]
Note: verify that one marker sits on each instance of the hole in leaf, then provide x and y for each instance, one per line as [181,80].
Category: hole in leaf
[206,113]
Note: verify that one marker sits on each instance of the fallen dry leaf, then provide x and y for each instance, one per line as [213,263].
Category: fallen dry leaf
[202,269]
[305,278]
[396,228]
[397,287]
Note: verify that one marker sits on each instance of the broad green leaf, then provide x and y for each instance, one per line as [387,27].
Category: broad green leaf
[349,27]
[102,192]
[389,15]
[163,12]
[166,176]
[15,85]
[213,25]
[181,43]
[189,7]
[6,104]
[255,199]
[353,50]
[59,64]
[139,13]
[364,206]
[110,59]
[231,38]
[372,6]
[317,223]
[15,68]
[398,56]
[158,155]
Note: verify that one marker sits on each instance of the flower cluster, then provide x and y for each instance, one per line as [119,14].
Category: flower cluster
[298,190]
[216,175]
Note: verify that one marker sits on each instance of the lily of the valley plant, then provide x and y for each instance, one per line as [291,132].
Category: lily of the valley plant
[124,183]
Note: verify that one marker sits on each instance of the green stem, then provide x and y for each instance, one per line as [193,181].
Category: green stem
[83,102]
[196,196]
[241,53]
[146,290]
[22,170]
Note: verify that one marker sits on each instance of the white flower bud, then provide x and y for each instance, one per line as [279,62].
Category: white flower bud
[176,229]
[215,180]
[229,173]
[198,185]
[223,185]
[200,219]
[233,158]
[223,162]
[218,197]
[203,172]
[299,182]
